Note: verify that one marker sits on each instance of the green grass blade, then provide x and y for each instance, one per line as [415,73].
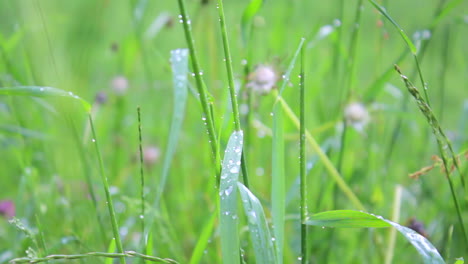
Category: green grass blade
[407,40]
[109,201]
[258,227]
[351,219]
[110,249]
[291,67]
[302,162]
[203,240]
[445,11]
[278,189]
[250,11]
[228,195]
[346,218]
[179,60]
[43,91]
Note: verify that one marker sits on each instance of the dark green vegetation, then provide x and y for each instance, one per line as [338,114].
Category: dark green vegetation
[75,174]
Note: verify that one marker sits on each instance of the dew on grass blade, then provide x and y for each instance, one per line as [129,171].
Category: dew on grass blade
[228,196]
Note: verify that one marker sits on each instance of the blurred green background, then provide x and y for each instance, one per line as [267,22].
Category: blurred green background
[83,46]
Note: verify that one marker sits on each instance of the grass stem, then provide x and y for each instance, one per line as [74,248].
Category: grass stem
[110,204]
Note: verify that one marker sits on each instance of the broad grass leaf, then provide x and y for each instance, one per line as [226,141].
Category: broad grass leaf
[258,227]
[350,218]
[228,198]
[43,91]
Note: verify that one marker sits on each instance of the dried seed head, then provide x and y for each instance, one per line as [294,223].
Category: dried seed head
[263,79]
[356,115]
[119,85]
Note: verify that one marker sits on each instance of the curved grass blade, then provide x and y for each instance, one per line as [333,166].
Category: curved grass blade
[291,67]
[246,21]
[402,33]
[352,219]
[43,91]
[258,227]
[228,196]
[179,60]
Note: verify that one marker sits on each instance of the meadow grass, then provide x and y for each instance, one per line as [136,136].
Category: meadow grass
[330,139]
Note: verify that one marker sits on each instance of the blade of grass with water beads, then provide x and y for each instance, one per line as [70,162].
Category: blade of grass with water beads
[258,227]
[228,199]
[356,219]
[43,91]
[179,61]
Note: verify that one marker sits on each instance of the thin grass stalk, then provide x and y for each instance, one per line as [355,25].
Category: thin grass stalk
[302,162]
[278,195]
[441,12]
[87,173]
[142,181]
[93,254]
[110,204]
[444,145]
[207,113]
[228,63]
[40,237]
[231,87]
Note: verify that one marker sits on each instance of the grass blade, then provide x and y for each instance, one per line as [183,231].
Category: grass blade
[179,60]
[250,11]
[110,249]
[352,219]
[402,33]
[109,202]
[291,67]
[201,88]
[258,227]
[203,240]
[445,148]
[43,91]
[302,162]
[228,195]
[278,192]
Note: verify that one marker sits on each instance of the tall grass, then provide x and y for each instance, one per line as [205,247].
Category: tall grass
[202,212]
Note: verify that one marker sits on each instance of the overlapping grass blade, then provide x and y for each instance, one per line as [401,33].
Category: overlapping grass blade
[258,227]
[43,91]
[249,12]
[278,192]
[179,60]
[353,219]
[110,249]
[228,198]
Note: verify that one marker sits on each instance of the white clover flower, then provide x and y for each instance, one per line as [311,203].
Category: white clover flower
[263,79]
[356,115]
[120,85]
[151,155]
